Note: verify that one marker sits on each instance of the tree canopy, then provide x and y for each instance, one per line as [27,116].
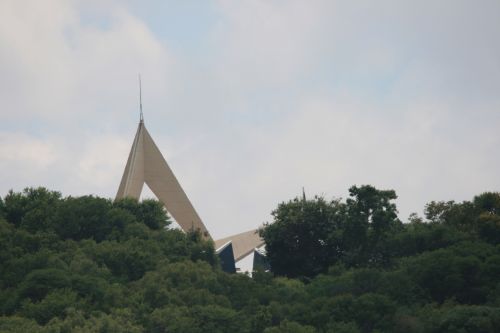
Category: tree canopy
[87,264]
[306,237]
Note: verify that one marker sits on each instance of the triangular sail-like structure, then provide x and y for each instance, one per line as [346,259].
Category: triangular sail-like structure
[146,165]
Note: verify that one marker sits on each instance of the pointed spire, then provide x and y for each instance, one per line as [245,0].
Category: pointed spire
[146,165]
[141,117]
[303,194]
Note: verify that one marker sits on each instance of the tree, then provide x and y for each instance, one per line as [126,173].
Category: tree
[370,215]
[87,264]
[467,319]
[488,221]
[2,208]
[53,305]
[150,212]
[304,238]
[479,217]
[82,218]
[31,209]
[290,327]
[308,236]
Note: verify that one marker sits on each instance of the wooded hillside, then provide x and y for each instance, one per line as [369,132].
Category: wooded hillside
[88,264]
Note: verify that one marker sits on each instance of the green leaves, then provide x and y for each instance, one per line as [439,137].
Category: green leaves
[86,217]
[52,305]
[308,236]
[32,209]
[70,262]
[87,264]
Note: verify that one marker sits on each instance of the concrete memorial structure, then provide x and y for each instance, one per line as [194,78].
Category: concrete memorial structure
[146,165]
[243,244]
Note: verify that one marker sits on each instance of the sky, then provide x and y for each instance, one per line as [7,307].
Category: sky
[250,101]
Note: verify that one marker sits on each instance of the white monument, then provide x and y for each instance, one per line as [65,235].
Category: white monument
[146,164]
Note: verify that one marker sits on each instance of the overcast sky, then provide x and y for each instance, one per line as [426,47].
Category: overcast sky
[250,101]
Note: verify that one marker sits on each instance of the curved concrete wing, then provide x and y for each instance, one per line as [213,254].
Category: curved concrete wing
[243,243]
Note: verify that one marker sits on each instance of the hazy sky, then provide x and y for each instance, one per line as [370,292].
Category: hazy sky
[249,101]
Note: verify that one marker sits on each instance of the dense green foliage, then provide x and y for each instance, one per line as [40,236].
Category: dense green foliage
[88,264]
[308,236]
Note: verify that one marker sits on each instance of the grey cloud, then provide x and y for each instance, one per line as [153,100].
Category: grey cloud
[321,94]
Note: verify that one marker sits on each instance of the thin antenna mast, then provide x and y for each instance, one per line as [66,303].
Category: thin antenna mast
[141,117]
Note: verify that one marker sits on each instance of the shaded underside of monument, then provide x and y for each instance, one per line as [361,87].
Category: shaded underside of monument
[243,244]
